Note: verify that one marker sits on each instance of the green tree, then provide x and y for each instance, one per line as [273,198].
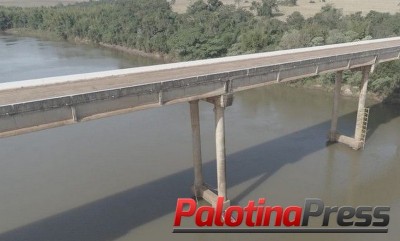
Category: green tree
[237,2]
[265,8]
[336,36]
[329,17]
[4,20]
[253,40]
[355,22]
[317,41]
[197,6]
[295,20]
[294,39]
[213,5]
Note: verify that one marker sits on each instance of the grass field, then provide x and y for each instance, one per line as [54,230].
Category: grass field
[304,6]
[309,9]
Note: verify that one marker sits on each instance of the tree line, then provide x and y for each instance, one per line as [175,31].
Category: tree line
[209,29]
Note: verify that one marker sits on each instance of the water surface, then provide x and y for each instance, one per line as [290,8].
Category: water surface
[118,178]
[29,58]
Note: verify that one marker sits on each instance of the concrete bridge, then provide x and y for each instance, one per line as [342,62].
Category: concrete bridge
[33,105]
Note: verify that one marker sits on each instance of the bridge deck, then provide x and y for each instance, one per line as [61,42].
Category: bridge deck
[108,80]
[32,105]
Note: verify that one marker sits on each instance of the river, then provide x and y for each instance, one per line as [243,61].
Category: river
[119,178]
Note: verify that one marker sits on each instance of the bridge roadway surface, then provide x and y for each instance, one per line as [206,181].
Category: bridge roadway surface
[33,105]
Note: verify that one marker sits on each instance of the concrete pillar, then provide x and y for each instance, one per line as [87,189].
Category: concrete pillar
[361,107]
[220,148]
[335,110]
[196,144]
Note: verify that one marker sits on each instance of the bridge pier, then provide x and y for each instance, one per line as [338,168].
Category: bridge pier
[358,140]
[196,145]
[360,127]
[335,112]
[220,147]
[201,189]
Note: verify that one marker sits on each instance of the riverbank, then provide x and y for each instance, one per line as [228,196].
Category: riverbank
[24,32]
[164,57]
[352,91]
[349,91]
[346,90]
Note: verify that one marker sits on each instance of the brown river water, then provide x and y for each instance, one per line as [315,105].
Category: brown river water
[119,178]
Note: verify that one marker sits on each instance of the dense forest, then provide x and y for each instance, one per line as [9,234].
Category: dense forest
[211,29]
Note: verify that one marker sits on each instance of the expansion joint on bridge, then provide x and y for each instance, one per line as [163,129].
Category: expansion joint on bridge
[373,66]
[161,96]
[73,114]
[317,70]
[228,86]
[349,63]
[278,76]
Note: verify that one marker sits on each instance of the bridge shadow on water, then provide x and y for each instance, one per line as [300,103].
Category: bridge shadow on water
[113,217]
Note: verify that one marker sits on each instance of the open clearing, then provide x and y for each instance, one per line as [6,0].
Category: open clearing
[309,9]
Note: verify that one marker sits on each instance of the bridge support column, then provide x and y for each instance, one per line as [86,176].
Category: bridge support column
[200,188]
[335,112]
[196,145]
[219,108]
[220,148]
[360,128]
[360,131]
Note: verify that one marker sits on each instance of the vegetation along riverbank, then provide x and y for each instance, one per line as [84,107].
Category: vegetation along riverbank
[210,29]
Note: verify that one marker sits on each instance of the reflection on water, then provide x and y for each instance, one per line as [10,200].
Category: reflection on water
[119,178]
